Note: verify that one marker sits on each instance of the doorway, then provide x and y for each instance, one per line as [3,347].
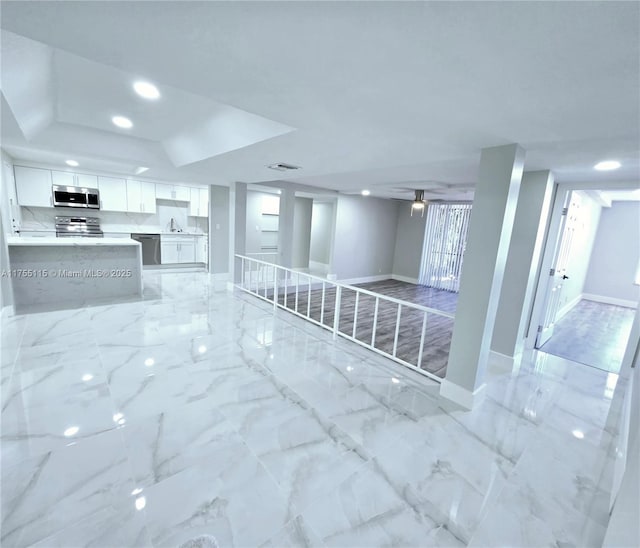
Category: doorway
[591,293]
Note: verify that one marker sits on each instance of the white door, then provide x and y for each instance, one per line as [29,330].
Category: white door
[63,178]
[558,273]
[187,252]
[33,186]
[86,181]
[148,197]
[194,202]
[134,197]
[169,253]
[204,202]
[113,194]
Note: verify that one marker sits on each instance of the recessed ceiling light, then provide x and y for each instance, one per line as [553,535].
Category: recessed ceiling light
[578,434]
[122,121]
[607,165]
[141,170]
[71,431]
[365,193]
[72,163]
[146,90]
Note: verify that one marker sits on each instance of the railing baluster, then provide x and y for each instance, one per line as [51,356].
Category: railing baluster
[286,286]
[355,315]
[309,298]
[375,323]
[297,284]
[424,328]
[266,270]
[322,305]
[395,337]
[275,287]
[243,281]
[336,312]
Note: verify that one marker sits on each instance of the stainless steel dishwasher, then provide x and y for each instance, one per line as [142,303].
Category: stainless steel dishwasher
[150,248]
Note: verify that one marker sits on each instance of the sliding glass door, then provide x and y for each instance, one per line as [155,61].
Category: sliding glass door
[444,245]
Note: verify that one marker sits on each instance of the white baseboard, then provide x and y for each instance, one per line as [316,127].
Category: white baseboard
[461,396]
[318,267]
[609,300]
[404,279]
[567,307]
[220,276]
[499,364]
[365,279]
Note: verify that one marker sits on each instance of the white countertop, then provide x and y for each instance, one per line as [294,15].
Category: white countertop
[107,231]
[48,241]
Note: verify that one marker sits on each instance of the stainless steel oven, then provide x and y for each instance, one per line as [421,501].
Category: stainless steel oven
[78,226]
[74,196]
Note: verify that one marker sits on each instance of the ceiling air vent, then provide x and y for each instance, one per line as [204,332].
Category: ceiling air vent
[283,167]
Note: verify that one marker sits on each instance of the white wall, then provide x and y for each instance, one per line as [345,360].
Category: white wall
[321,230]
[616,253]
[302,213]
[580,251]
[254,221]
[409,243]
[365,237]
[9,218]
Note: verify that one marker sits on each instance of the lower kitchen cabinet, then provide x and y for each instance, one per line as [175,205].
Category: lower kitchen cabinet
[201,249]
[176,250]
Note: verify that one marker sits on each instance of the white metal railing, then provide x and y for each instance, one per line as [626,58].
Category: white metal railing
[267,257]
[289,289]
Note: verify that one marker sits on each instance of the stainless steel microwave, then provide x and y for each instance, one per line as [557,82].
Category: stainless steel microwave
[74,196]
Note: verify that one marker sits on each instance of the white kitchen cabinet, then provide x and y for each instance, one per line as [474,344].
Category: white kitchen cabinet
[173,192]
[177,249]
[68,178]
[113,194]
[199,204]
[201,249]
[86,181]
[63,178]
[141,197]
[33,186]
[169,252]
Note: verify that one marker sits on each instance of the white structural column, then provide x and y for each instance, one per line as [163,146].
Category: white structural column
[239,191]
[286,227]
[219,227]
[527,238]
[490,226]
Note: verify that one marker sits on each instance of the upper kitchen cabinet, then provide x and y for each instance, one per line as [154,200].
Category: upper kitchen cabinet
[199,204]
[33,186]
[113,194]
[141,197]
[66,178]
[173,192]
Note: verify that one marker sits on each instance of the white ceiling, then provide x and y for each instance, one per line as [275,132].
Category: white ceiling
[382,95]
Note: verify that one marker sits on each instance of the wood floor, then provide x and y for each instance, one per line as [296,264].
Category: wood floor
[437,334]
[595,334]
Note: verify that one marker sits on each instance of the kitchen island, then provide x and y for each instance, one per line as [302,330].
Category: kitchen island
[51,272]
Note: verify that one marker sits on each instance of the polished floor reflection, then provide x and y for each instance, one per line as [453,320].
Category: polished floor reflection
[594,334]
[203,412]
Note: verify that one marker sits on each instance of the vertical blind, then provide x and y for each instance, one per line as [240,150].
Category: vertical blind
[444,244]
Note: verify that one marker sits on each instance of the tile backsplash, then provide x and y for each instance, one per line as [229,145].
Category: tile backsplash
[43,218]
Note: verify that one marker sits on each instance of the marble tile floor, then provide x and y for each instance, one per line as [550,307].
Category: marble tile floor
[199,411]
[595,334]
